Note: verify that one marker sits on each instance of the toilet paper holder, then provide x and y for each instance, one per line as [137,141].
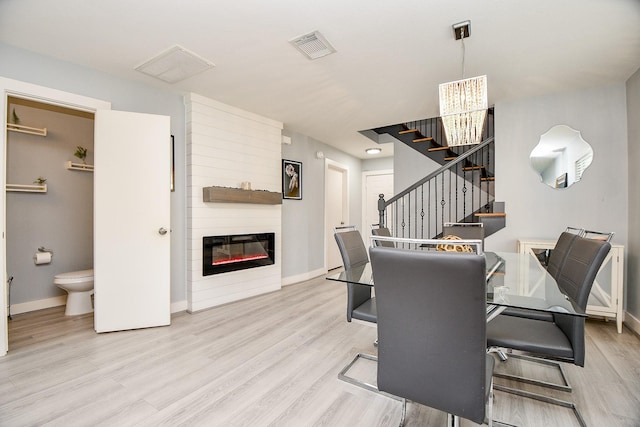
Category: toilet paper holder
[43,249]
[43,256]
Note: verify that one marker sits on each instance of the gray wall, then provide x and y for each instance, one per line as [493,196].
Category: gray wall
[303,220]
[60,219]
[124,95]
[409,166]
[598,201]
[376,164]
[633,248]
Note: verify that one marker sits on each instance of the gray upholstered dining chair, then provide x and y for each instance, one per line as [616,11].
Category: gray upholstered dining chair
[563,338]
[431,330]
[554,267]
[561,250]
[378,230]
[361,305]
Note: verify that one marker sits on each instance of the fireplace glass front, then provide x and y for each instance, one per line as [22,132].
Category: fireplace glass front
[222,254]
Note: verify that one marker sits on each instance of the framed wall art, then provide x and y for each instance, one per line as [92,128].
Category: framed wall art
[291,179]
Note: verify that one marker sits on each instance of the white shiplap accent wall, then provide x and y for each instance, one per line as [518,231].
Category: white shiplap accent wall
[225,147]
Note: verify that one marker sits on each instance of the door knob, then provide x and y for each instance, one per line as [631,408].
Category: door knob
[162,231]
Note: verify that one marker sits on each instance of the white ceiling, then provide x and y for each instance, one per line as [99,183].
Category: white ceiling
[391,54]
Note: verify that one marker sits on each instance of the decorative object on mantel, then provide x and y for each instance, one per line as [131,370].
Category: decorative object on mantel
[40,180]
[291,179]
[237,195]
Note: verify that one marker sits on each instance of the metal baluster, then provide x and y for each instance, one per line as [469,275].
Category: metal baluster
[422,211]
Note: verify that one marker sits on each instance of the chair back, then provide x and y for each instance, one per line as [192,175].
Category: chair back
[351,246]
[559,253]
[382,231]
[432,328]
[584,259]
[576,278]
[360,305]
[599,235]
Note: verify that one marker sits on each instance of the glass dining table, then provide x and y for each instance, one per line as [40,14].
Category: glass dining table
[513,280]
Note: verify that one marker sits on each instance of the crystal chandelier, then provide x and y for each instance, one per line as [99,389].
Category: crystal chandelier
[463,103]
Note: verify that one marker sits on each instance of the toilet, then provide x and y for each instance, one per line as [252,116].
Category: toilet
[79,285]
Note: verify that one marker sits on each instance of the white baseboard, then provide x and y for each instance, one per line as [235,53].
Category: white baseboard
[179,306]
[632,322]
[25,307]
[40,304]
[302,277]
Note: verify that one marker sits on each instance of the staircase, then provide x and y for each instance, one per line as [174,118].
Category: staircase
[461,190]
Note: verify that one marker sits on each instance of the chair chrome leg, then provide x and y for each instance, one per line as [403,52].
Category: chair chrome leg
[489,420]
[453,420]
[563,387]
[342,375]
[542,398]
[404,412]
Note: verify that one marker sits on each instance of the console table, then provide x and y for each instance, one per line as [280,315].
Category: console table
[606,296]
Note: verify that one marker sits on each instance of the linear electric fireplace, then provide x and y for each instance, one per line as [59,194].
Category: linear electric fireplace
[222,254]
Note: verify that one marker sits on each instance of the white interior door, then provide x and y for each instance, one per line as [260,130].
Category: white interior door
[131,224]
[374,184]
[336,209]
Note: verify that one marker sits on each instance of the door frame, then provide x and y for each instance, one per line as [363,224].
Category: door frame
[332,164]
[19,89]
[364,193]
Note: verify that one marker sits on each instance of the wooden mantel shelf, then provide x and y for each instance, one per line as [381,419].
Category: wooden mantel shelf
[237,195]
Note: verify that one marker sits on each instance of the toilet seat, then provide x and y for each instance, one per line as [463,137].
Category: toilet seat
[73,277]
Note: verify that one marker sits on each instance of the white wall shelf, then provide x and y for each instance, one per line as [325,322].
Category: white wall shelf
[78,166]
[27,188]
[26,129]
[605,299]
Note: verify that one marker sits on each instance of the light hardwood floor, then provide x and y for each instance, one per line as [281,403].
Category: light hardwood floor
[266,361]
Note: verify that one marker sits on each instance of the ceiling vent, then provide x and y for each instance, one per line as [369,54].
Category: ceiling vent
[313,45]
[175,64]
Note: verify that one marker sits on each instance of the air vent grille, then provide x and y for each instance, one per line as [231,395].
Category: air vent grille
[313,45]
[175,64]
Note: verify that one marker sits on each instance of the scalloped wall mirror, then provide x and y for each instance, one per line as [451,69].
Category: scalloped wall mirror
[561,156]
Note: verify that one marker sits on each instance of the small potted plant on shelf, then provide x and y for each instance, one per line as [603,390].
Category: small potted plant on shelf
[14,117]
[40,180]
[81,153]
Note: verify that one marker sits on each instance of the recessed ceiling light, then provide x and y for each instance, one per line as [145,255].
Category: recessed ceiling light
[175,64]
[373,150]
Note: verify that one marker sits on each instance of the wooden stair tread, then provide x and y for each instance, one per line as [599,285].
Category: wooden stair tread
[490,214]
[438,148]
[488,178]
[448,159]
[423,139]
[402,132]
[471,168]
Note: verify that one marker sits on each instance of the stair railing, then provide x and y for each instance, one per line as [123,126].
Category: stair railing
[453,193]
